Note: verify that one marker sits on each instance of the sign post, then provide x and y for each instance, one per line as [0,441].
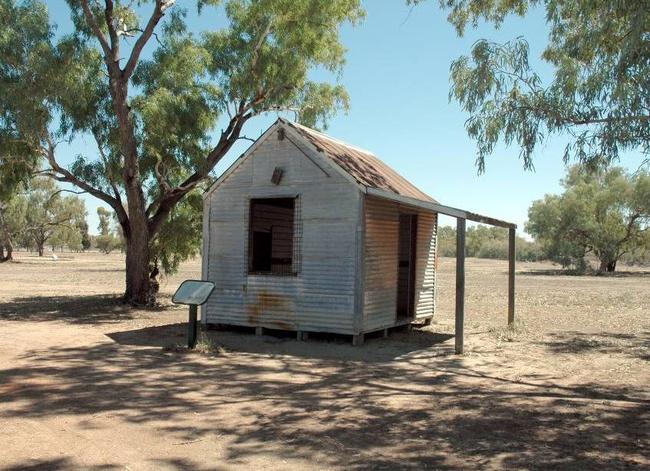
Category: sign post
[193,293]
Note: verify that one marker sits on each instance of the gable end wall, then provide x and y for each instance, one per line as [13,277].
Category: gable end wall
[322,297]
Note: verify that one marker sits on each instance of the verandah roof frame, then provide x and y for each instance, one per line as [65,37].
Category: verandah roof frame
[462,216]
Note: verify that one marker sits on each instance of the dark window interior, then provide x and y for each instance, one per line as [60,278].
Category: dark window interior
[270,232]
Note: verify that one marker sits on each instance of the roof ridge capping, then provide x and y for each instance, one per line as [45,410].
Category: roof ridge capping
[328,137]
[362,165]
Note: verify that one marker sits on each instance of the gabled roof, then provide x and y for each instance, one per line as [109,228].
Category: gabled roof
[359,166]
[363,166]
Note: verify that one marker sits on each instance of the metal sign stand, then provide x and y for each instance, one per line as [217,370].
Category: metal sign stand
[193,293]
[192,326]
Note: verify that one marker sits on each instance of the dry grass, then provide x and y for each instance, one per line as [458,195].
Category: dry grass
[86,383]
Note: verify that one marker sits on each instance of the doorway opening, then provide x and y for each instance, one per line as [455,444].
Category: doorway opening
[408,229]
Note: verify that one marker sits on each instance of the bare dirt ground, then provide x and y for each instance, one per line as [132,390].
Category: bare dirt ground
[85,383]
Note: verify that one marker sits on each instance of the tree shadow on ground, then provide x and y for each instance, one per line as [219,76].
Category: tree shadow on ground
[93,309]
[401,413]
[575,342]
[55,464]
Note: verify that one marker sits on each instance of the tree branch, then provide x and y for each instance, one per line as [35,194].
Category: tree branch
[142,40]
[63,175]
[112,33]
[162,181]
[104,158]
[167,200]
[63,190]
[90,18]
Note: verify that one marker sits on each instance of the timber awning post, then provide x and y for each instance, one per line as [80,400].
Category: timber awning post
[512,251]
[460,285]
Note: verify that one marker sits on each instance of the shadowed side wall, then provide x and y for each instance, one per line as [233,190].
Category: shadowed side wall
[321,297]
[381,262]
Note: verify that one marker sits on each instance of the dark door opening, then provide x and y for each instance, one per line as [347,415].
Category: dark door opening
[408,224]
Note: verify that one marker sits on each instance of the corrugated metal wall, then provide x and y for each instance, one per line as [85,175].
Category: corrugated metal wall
[322,296]
[381,259]
[380,283]
[425,277]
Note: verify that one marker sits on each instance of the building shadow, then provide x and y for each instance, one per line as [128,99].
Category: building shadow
[377,349]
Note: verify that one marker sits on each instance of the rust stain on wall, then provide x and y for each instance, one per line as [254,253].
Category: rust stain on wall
[266,302]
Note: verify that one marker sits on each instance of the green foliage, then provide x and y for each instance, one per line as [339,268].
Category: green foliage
[446,241]
[487,242]
[24,35]
[46,215]
[640,254]
[66,236]
[180,236]
[107,243]
[108,238]
[604,212]
[599,95]
[104,226]
[13,220]
[153,116]
[86,241]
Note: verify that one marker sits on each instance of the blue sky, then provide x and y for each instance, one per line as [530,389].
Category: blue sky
[397,75]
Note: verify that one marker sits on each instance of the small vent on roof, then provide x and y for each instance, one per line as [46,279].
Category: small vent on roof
[280,134]
[277,175]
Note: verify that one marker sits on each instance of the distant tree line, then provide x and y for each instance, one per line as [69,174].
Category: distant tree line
[603,215]
[487,242]
[38,214]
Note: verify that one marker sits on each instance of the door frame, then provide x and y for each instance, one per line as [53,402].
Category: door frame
[413,231]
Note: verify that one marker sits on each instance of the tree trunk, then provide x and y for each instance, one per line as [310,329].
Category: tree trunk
[40,249]
[137,272]
[138,290]
[10,252]
[607,266]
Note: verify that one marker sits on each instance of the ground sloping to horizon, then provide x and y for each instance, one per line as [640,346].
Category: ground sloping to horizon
[87,383]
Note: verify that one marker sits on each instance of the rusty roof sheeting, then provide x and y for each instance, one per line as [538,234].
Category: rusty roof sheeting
[362,165]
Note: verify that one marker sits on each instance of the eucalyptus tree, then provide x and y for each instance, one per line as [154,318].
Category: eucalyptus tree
[601,212]
[152,92]
[50,214]
[107,240]
[599,92]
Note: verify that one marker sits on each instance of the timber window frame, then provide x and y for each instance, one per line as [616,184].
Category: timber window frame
[274,236]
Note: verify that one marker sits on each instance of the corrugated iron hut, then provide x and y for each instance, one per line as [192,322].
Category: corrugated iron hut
[306,233]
